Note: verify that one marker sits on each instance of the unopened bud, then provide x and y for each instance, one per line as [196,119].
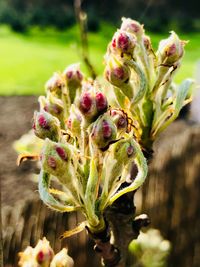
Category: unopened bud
[62,259]
[104,131]
[52,105]
[116,72]
[26,258]
[73,77]
[132,27]
[43,253]
[124,150]
[123,42]
[147,42]
[92,103]
[74,121]
[119,118]
[55,84]
[171,49]
[46,126]
[55,158]
[101,102]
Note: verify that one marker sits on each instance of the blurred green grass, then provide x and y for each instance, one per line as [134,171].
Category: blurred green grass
[28,60]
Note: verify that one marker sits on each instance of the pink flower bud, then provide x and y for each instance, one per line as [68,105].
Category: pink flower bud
[104,131]
[43,252]
[101,102]
[55,158]
[55,84]
[117,75]
[170,50]
[123,42]
[43,122]
[132,27]
[74,121]
[86,102]
[73,77]
[119,118]
[147,42]
[46,126]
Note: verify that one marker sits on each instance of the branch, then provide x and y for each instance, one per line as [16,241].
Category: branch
[81,18]
[109,254]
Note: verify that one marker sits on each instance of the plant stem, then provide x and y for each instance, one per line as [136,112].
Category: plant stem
[81,18]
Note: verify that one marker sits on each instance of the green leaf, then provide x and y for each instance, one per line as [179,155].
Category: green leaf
[47,198]
[182,94]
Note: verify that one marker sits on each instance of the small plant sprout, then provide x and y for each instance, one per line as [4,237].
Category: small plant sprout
[97,147]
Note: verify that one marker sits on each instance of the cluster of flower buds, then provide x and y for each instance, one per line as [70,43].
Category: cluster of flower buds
[91,147]
[142,80]
[43,256]
[77,139]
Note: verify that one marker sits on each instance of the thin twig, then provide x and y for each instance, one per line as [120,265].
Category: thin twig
[81,18]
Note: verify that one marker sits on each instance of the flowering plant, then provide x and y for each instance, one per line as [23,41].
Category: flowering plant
[99,135]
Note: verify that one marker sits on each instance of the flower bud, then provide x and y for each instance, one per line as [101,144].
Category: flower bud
[46,126]
[119,118]
[103,131]
[132,27]
[73,77]
[55,158]
[26,258]
[116,72]
[124,150]
[62,259]
[55,84]
[123,42]
[147,43]
[43,253]
[52,105]
[92,103]
[74,121]
[170,50]
[101,102]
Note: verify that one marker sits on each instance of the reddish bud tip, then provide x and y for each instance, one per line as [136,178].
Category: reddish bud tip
[40,257]
[69,74]
[106,129]
[123,41]
[85,102]
[119,73]
[43,122]
[51,162]
[79,75]
[121,122]
[171,50]
[114,43]
[101,102]
[130,150]
[61,152]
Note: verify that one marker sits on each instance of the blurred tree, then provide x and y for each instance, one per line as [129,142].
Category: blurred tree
[157,15]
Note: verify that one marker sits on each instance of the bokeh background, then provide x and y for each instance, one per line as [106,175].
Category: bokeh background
[39,37]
